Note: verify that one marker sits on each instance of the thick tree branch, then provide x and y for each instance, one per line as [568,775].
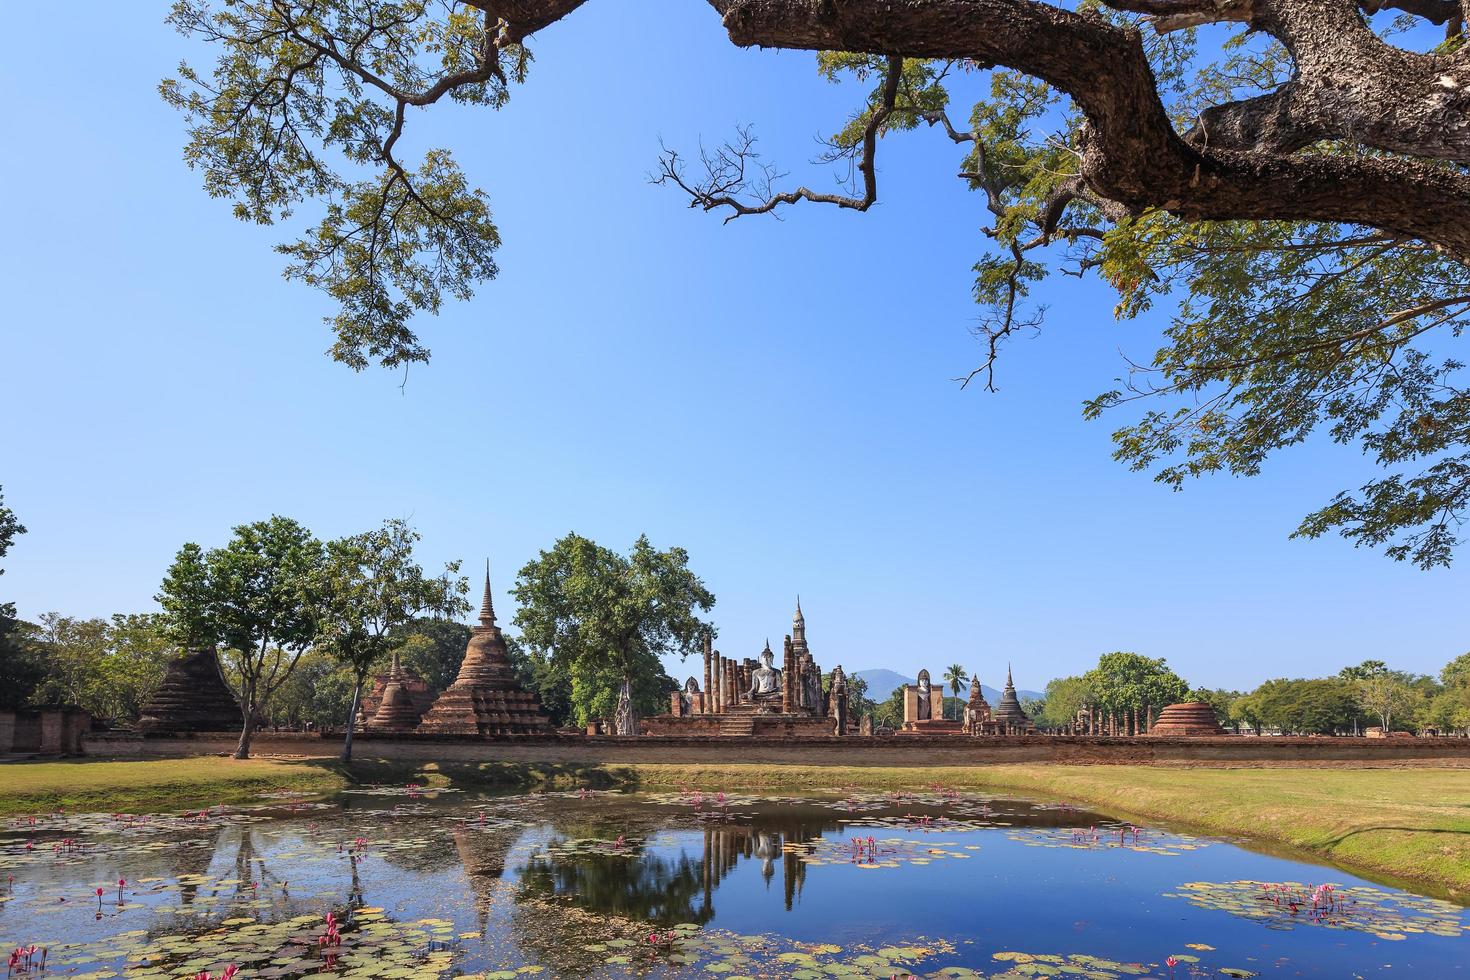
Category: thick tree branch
[1131,153]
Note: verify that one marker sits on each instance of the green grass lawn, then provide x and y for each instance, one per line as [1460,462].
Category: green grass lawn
[1406,824]
[152,784]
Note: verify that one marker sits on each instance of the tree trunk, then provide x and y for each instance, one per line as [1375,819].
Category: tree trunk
[247,729]
[351,720]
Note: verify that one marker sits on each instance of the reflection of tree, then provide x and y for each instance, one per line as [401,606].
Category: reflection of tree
[647,887]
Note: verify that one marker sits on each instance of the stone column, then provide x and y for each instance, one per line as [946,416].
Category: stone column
[709,646]
[910,703]
[789,688]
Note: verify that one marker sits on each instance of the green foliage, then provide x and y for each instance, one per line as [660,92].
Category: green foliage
[1130,681]
[1364,670]
[956,677]
[433,648]
[1387,694]
[19,671]
[1282,329]
[889,713]
[301,101]
[1317,706]
[368,585]
[10,527]
[1065,696]
[258,596]
[551,680]
[1456,673]
[109,668]
[602,617]
[1220,699]
[858,702]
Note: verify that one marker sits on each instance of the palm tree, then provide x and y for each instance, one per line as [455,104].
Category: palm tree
[956,677]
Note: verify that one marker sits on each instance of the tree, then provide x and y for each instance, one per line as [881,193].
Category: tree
[1298,175]
[889,712]
[19,671]
[539,672]
[138,652]
[1220,699]
[433,648]
[1123,682]
[1386,693]
[369,586]
[606,619]
[71,651]
[1313,706]
[1364,670]
[258,596]
[1065,696]
[956,677]
[1456,673]
[858,702]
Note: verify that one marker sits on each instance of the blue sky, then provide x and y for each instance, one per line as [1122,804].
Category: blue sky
[775,396]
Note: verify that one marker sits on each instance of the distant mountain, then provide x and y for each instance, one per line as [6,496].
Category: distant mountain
[883,682]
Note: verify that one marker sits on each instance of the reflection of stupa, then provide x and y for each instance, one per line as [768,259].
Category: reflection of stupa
[486,698]
[482,855]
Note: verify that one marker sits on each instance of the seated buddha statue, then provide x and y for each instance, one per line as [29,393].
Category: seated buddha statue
[765,680]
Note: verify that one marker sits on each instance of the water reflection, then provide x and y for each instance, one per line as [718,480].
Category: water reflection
[575,885]
[667,885]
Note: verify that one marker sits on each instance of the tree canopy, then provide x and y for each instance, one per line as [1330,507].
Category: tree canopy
[605,618]
[1133,682]
[1292,182]
[369,585]
[259,596]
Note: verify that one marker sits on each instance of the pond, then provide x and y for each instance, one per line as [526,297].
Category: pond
[398,882]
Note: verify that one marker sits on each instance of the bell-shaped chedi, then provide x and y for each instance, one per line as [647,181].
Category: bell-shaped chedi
[400,703]
[486,698]
[1009,712]
[1186,719]
[193,697]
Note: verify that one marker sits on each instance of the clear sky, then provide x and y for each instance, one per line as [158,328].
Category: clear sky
[775,396]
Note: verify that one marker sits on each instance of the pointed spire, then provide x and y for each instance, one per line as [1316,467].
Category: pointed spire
[1010,685]
[487,608]
[395,671]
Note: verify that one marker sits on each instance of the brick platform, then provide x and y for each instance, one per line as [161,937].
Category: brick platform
[1229,751]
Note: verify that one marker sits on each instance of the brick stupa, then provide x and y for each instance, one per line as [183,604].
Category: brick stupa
[1009,713]
[399,704]
[1188,719]
[486,698]
[192,697]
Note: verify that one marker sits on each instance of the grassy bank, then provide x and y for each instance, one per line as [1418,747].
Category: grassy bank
[137,785]
[1408,824]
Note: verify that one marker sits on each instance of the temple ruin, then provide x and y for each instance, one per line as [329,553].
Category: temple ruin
[486,698]
[193,697]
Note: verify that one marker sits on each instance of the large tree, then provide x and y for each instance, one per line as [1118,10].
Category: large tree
[606,619]
[20,671]
[258,596]
[1293,181]
[369,586]
[1123,682]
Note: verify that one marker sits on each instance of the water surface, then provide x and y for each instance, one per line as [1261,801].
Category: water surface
[689,885]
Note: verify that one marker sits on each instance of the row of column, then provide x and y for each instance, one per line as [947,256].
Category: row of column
[1116,723]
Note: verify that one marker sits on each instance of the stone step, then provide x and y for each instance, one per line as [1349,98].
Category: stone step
[737,725]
